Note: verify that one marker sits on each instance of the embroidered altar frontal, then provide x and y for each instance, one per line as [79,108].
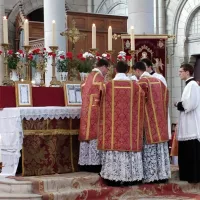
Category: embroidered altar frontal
[50,146]
[122,117]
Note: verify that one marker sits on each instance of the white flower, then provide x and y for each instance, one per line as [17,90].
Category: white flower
[85,55]
[122,53]
[104,55]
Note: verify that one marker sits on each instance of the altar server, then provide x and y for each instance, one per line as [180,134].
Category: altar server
[89,156]
[121,129]
[188,134]
[156,163]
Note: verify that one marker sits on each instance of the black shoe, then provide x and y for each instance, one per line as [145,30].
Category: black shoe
[163,181]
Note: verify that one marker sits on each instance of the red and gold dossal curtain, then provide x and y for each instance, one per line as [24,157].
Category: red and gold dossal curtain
[152,47]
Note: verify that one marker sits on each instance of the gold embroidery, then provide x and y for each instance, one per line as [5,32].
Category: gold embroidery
[131,117]
[104,117]
[155,116]
[122,87]
[138,131]
[112,136]
[52,132]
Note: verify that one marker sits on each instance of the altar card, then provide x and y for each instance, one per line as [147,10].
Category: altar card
[72,93]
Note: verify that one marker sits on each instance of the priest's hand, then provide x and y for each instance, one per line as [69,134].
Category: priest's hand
[175,104]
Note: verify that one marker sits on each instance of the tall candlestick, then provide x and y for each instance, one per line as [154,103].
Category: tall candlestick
[5,30]
[93,36]
[53,33]
[132,38]
[26,32]
[109,38]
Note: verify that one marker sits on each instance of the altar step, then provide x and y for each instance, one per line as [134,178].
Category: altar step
[89,186]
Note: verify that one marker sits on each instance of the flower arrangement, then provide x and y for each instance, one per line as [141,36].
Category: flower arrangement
[123,57]
[14,58]
[38,58]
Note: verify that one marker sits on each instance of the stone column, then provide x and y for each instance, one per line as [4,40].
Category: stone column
[2,13]
[141,16]
[53,10]
[161,17]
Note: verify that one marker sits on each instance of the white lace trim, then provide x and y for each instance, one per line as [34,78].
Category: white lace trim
[122,166]
[188,138]
[50,112]
[89,154]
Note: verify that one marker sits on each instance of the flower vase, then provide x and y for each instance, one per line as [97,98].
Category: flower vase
[83,75]
[37,78]
[14,76]
[62,76]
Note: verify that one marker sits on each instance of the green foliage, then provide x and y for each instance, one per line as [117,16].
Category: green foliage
[12,61]
[86,65]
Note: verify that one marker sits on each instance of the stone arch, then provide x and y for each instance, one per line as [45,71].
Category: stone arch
[106,6]
[28,7]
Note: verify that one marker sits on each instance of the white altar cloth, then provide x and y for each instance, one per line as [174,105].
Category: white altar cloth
[12,134]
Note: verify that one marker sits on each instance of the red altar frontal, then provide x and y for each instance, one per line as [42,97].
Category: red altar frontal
[50,143]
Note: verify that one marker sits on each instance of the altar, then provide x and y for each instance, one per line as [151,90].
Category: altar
[47,136]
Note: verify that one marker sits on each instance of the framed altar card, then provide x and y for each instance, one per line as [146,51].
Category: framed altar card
[23,93]
[72,93]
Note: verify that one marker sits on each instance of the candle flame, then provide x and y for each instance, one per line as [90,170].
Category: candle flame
[53,21]
[4,17]
[26,20]
[93,25]
[110,27]
[132,27]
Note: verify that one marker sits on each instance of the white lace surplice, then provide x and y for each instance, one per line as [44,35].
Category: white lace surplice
[156,164]
[88,153]
[122,166]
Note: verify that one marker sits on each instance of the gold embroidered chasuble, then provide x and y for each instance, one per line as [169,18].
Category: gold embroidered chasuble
[156,110]
[91,94]
[122,116]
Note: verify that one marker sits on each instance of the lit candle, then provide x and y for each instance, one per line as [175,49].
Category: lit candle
[109,38]
[93,36]
[5,30]
[132,38]
[26,32]
[53,33]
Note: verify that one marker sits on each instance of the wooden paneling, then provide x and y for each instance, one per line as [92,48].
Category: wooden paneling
[84,23]
[36,30]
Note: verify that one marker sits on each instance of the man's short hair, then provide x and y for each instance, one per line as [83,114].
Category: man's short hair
[102,62]
[147,62]
[188,68]
[139,65]
[122,67]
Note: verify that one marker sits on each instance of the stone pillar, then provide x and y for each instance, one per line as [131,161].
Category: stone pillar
[53,10]
[161,17]
[2,13]
[141,16]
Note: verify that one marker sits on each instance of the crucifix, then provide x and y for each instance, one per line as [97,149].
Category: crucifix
[73,34]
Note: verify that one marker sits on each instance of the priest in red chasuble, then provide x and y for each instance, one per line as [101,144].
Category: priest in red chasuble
[121,129]
[89,156]
[156,162]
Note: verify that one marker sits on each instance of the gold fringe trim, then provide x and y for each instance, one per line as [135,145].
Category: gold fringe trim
[51,132]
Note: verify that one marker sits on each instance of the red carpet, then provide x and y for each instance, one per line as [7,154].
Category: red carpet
[89,186]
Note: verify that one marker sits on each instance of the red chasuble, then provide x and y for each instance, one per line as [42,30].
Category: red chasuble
[91,91]
[122,116]
[156,110]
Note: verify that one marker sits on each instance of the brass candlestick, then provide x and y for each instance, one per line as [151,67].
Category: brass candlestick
[6,80]
[54,80]
[132,61]
[93,51]
[27,63]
